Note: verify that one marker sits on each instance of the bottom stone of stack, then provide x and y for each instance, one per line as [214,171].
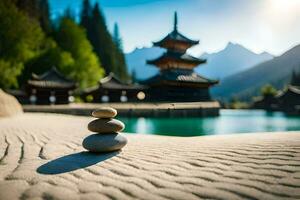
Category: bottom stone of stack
[104,142]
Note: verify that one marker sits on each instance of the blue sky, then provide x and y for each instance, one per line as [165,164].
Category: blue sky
[260,25]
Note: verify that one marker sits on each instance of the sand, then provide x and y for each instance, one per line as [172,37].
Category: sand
[41,157]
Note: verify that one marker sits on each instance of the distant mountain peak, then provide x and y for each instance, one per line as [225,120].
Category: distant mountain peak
[231,44]
[247,83]
[232,59]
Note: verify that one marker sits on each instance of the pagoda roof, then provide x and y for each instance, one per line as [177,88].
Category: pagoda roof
[177,56]
[51,79]
[175,36]
[180,75]
[112,82]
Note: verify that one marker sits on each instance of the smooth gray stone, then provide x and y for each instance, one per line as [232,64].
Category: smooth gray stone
[104,143]
[104,112]
[106,125]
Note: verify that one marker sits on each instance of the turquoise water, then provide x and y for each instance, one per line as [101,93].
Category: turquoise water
[229,121]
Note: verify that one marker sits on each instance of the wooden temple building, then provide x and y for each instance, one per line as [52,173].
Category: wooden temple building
[50,87]
[177,81]
[111,89]
[287,100]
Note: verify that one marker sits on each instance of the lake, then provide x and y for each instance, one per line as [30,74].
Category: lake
[229,121]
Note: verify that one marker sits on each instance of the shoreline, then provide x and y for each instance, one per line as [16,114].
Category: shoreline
[193,109]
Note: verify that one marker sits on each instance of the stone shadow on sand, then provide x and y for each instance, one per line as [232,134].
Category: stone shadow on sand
[73,162]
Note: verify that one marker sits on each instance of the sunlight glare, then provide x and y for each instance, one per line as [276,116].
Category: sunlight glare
[284,6]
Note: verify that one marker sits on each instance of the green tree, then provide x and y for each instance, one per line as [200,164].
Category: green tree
[121,68]
[21,39]
[117,38]
[112,58]
[295,79]
[72,38]
[37,10]
[102,40]
[53,56]
[44,16]
[30,7]
[86,15]
[268,90]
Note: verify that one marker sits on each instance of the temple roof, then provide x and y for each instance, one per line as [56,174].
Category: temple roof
[175,36]
[180,75]
[112,82]
[291,90]
[176,56]
[51,79]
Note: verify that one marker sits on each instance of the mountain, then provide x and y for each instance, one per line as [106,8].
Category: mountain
[136,62]
[247,84]
[232,59]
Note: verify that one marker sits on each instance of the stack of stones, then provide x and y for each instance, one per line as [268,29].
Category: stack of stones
[107,137]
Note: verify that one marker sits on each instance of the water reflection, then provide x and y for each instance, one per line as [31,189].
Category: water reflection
[229,121]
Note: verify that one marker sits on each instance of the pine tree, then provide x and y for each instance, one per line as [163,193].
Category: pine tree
[44,16]
[116,37]
[102,40]
[86,15]
[133,76]
[295,80]
[121,68]
[109,52]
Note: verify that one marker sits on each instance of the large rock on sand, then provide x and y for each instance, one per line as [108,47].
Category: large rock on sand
[104,143]
[9,105]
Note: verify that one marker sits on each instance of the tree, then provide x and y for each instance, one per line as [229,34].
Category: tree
[30,7]
[268,90]
[86,15]
[116,37]
[134,77]
[121,68]
[295,79]
[72,38]
[37,10]
[21,39]
[112,58]
[44,16]
[53,56]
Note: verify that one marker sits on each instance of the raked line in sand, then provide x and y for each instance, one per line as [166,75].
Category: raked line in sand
[41,157]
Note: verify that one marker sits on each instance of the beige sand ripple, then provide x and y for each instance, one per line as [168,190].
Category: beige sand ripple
[41,157]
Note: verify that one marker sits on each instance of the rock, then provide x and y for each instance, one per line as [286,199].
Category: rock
[105,112]
[9,105]
[106,125]
[104,143]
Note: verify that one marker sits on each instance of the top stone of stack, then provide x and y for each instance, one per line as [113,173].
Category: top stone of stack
[105,112]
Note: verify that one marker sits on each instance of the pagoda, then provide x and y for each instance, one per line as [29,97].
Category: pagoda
[177,80]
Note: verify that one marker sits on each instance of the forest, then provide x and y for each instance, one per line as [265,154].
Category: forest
[81,47]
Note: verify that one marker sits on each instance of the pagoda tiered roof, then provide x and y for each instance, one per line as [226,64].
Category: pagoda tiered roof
[176,57]
[51,79]
[180,76]
[175,37]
